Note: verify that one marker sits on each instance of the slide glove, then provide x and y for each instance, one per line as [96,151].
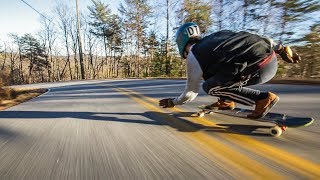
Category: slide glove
[166,103]
[287,55]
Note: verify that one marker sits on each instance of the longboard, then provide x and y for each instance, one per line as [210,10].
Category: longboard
[281,121]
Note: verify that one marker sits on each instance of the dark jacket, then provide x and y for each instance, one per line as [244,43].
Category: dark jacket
[228,54]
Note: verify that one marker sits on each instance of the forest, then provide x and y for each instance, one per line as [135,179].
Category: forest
[138,41]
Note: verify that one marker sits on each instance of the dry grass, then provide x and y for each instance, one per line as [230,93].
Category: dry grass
[12,97]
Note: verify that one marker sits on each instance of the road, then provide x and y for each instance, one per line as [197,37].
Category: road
[114,129]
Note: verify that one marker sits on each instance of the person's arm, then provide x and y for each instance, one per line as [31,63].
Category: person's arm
[194,74]
[285,52]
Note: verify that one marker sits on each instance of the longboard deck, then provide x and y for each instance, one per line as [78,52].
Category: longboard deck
[277,118]
[281,121]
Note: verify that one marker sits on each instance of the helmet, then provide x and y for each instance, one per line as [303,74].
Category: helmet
[186,32]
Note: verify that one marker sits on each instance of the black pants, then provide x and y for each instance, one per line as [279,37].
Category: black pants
[243,94]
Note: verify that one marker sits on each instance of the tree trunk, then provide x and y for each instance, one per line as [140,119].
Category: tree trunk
[284,20]
[245,14]
[80,44]
[4,58]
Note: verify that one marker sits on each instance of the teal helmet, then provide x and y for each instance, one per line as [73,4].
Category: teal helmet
[186,32]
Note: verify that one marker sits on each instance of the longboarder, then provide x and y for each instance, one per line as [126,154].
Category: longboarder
[229,62]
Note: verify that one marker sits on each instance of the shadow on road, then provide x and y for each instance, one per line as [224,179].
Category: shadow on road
[175,120]
[244,129]
[227,128]
[6,133]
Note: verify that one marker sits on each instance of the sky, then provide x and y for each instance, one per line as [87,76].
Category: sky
[17,17]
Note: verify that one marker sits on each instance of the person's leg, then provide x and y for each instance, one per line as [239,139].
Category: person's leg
[263,75]
[223,103]
[264,101]
[243,95]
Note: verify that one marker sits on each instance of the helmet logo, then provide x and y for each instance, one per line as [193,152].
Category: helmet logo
[193,31]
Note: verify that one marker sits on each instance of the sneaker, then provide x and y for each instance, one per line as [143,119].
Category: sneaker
[221,105]
[264,106]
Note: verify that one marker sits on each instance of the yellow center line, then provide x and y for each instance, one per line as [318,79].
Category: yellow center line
[289,160]
[233,159]
[277,155]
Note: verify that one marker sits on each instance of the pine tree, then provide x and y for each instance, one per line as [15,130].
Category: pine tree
[294,14]
[150,46]
[99,14]
[136,14]
[195,11]
[311,53]
[36,55]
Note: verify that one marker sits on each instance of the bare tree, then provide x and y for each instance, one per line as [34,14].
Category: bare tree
[4,52]
[80,42]
[16,39]
[64,20]
[13,57]
[74,45]
[48,37]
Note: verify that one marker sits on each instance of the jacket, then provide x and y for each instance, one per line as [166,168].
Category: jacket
[228,54]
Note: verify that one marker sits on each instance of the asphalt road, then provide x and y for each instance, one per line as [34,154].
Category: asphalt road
[114,129]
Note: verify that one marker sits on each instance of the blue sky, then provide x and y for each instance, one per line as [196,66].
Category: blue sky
[17,17]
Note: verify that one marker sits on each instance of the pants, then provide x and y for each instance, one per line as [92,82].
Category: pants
[243,94]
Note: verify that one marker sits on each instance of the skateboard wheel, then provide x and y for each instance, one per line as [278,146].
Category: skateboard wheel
[276,131]
[201,114]
[210,112]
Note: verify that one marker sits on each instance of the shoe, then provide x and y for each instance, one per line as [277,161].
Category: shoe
[221,105]
[264,106]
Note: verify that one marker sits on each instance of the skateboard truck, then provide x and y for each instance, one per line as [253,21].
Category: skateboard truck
[276,131]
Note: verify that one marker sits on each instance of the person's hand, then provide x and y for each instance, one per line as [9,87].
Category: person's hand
[166,103]
[288,56]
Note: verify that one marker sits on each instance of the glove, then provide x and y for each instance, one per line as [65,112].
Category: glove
[166,103]
[287,55]
[296,58]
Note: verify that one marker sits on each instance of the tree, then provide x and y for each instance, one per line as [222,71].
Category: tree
[251,15]
[16,39]
[64,21]
[35,54]
[266,15]
[136,14]
[80,43]
[3,52]
[293,14]
[13,56]
[150,46]
[99,14]
[115,41]
[48,35]
[72,27]
[310,66]
[195,11]
[91,43]
[218,7]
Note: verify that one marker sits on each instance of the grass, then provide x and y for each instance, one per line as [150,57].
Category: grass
[12,97]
